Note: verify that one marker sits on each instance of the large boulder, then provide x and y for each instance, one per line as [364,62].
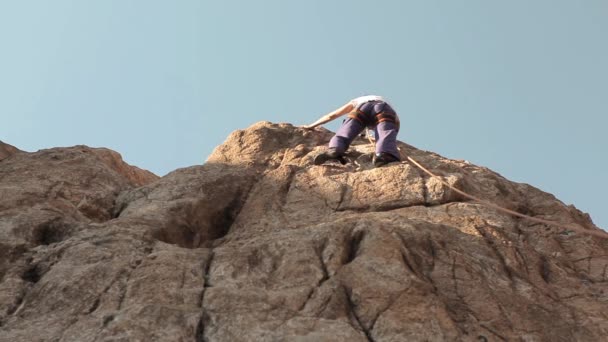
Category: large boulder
[50,195]
[259,244]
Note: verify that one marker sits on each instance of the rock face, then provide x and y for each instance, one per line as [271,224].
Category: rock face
[258,244]
[7,150]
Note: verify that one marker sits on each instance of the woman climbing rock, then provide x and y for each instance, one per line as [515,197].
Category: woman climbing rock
[369,111]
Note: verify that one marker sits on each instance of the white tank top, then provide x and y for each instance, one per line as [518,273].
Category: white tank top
[367,98]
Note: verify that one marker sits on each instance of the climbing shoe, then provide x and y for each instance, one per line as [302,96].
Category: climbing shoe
[329,155]
[381,159]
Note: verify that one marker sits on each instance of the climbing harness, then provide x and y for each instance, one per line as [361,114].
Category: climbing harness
[374,112]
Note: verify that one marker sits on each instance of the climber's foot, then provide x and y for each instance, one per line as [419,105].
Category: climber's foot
[381,159]
[329,155]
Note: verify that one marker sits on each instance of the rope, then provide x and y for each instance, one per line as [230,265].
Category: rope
[597,233]
[368,134]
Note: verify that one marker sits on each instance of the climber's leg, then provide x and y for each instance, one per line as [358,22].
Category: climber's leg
[386,143]
[340,142]
[348,131]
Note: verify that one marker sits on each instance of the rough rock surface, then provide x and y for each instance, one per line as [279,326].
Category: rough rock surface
[258,244]
[7,150]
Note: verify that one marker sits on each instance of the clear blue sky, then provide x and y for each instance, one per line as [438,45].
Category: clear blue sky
[519,86]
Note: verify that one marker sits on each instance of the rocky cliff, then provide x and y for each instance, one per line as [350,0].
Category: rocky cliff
[258,244]
[7,150]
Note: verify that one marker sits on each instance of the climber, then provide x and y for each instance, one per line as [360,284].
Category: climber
[366,111]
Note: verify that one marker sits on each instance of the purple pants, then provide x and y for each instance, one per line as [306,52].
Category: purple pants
[384,132]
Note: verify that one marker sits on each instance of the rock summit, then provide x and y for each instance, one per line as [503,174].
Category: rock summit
[259,244]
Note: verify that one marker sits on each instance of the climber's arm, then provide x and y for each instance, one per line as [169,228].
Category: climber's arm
[347,108]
